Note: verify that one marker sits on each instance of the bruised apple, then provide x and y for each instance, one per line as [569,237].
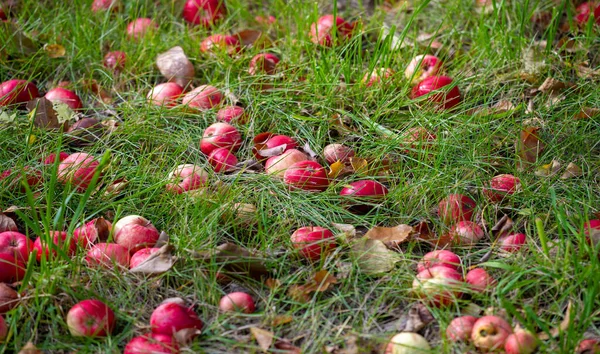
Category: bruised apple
[501,186]
[165,94]
[94,230]
[361,195]
[59,241]
[466,233]
[322,31]
[230,114]
[204,12]
[277,165]
[115,60]
[312,241]
[220,43]
[422,67]
[203,97]
[78,169]
[338,152]
[139,27]
[17,92]
[152,343]
[513,243]
[521,342]
[460,328]
[90,318]
[263,63]
[479,280]
[455,208]
[222,160]
[11,269]
[141,256]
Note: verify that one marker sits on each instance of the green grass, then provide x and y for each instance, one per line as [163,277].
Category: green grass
[482,52]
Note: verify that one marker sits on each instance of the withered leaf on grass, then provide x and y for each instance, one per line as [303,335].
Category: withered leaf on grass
[391,236]
[158,262]
[175,66]
[503,227]
[528,147]
[320,282]
[552,86]
[281,320]
[563,326]
[45,115]
[235,261]
[30,348]
[263,337]
[284,346]
[253,38]
[572,170]
[55,50]
[335,169]
[14,40]
[549,169]
[186,336]
[587,112]
[373,257]
[7,224]
[415,319]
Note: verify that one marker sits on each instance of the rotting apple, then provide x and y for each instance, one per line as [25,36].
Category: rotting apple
[338,152]
[442,258]
[521,342]
[3,328]
[513,243]
[222,160]
[60,240]
[466,233]
[230,114]
[11,268]
[141,256]
[16,244]
[490,333]
[94,230]
[17,92]
[313,241]
[422,67]
[439,286]
[68,97]
[277,165]
[445,94]
[165,94]
[220,43]
[263,63]
[220,135]
[78,169]
[321,32]
[91,318]
[307,175]
[50,159]
[115,60]
[237,302]
[588,346]
[135,232]
[152,343]
[501,186]
[460,328]
[204,12]
[185,178]
[407,343]
[139,27]
[479,280]
[456,208]
[108,255]
[172,316]
[377,76]
[203,97]
[362,194]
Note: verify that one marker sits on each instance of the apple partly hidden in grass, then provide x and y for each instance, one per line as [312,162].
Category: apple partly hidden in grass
[139,27]
[408,343]
[460,328]
[263,63]
[68,97]
[104,5]
[307,175]
[479,280]
[445,94]
[466,233]
[222,160]
[313,241]
[78,169]
[490,333]
[135,232]
[234,114]
[17,92]
[501,186]
[185,178]
[203,97]
[277,165]
[584,10]
[90,318]
[11,269]
[59,241]
[33,178]
[588,346]
[165,94]
[221,43]
[439,286]
[141,256]
[275,142]
[108,255]
[338,152]
[456,208]
[237,302]
[115,60]
[521,342]
[3,328]
[377,76]
[172,316]
[50,159]
[592,231]
[152,343]
[16,244]
[93,231]
[441,258]
[513,243]
[204,12]
[422,67]
[220,135]
[321,32]
[362,193]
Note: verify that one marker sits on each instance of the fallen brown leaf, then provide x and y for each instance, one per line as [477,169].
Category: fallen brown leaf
[359,165]
[253,38]
[285,346]
[335,169]
[528,147]
[235,262]
[44,114]
[571,171]
[158,262]
[391,236]
[373,257]
[185,336]
[55,50]
[322,280]
[503,227]
[7,224]
[15,41]
[263,337]
[30,348]
[563,326]
[587,112]
[281,320]
[551,85]
[415,319]
[273,283]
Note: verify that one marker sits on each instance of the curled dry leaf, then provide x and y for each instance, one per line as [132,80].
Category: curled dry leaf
[414,320]
[373,257]
[284,346]
[235,261]
[563,326]
[309,151]
[253,38]
[587,112]
[175,66]
[503,227]
[30,348]
[55,50]
[163,239]
[110,125]
[44,115]
[274,151]
[528,147]
[572,170]
[320,282]
[116,187]
[552,86]
[549,169]
[263,337]
[185,336]
[158,262]
[391,236]
[7,224]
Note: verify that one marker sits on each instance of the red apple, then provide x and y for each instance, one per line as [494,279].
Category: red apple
[2,18]
[220,43]
[185,178]
[362,193]
[466,233]
[422,67]
[501,186]
[237,301]
[152,343]
[139,27]
[490,333]
[220,135]
[230,114]
[588,346]
[103,5]
[33,178]
[3,326]
[204,12]
[78,169]
[16,244]
[460,328]
[263,63]
[445,97]
[135,232]
[17,92]
[141,256]
[456,208]
[281,143]
[277,165]
[50,159]
[166,94]
[597,14]
[11,268]
[203,97]
[438,286]
[307,175]
[68,97]
[441,258]
[108,255]
[59,241]
[513,243]
[321,32]
[222,160]
[312,241]
[521,342]
[90,318]
[94,230]
[479,280]
[173,316]
[338,152]
[407,343]
[377,76]
[592,231]
[115,60]
[583,11]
